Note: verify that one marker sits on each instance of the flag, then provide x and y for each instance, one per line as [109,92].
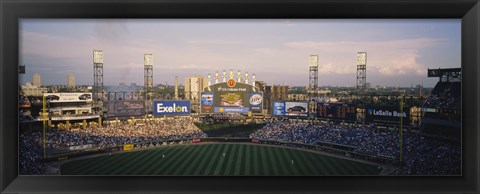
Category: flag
[21,69]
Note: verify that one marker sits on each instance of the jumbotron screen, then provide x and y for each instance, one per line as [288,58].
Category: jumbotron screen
[231,98]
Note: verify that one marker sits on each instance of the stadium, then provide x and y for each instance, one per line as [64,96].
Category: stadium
[235,127]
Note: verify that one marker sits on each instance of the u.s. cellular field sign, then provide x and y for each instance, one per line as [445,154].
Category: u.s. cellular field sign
[174,107]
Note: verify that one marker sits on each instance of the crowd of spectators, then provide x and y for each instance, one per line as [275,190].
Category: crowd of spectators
[432,157]
[145,134]
[121,134]
[423,155]
[365,138]
[298,132]
[445,96]
[31,162]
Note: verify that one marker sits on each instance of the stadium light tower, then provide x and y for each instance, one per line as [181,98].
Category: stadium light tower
[97,75]
[148,76]
[313,78]
[361,71]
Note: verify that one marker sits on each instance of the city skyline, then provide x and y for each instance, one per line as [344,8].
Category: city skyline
[399,52]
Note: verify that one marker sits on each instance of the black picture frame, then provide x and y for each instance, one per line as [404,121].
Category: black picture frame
[11,11]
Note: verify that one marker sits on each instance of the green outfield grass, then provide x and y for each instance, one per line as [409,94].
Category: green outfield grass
[208,159]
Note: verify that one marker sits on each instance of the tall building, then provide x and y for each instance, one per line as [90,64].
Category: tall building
[193,86]
[71,80]
[279,93]
[30,90]
[37,80]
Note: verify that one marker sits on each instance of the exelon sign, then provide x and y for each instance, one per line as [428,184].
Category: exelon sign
[171,107]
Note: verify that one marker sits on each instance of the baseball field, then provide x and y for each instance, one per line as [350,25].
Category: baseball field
[218,159]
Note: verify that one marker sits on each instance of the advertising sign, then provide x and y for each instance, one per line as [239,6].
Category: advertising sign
[206,102]
[386,114]
[68,97]
[256,102]
[429,110]
[279,109]
[125,108]
[231,109]
[127,147]
[81,147]
[171,107]
[296,109]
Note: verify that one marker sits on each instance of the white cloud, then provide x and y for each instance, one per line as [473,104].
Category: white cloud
[389,58]
[337,69]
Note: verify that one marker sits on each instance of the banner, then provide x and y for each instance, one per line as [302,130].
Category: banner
[178,107]
[68,97]
[127,147]
[279,109]
[80,147]
[230,109]
[385,114]
[296,109]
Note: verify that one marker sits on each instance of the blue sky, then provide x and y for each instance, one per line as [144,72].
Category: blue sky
[399,52]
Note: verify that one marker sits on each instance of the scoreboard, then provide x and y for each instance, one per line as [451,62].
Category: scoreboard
[231,97]
[336,111]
